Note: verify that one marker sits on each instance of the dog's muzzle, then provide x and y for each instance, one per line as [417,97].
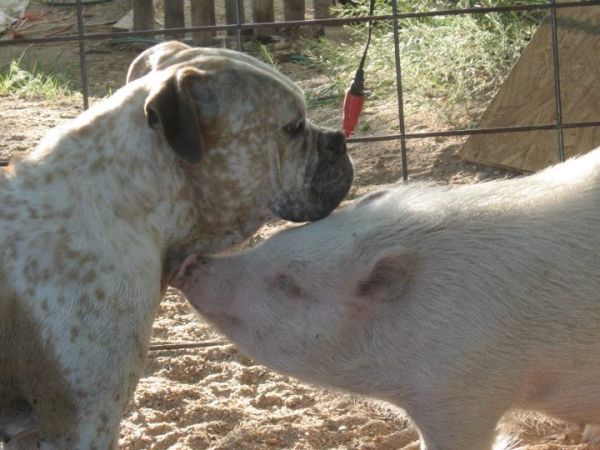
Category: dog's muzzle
[328,181]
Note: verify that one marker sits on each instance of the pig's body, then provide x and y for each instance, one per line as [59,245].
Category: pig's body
[456,304]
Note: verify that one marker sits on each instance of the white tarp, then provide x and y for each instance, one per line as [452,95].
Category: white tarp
[10,10]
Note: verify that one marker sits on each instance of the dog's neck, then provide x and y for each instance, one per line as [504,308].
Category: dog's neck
[79,161]
[126,182]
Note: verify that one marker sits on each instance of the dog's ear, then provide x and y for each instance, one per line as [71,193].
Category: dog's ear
[172,109]
[154,58]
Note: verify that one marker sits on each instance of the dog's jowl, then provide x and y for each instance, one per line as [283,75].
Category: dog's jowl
[198,149]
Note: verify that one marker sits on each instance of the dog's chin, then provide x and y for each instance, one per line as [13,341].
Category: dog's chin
[317,200]
[299,211]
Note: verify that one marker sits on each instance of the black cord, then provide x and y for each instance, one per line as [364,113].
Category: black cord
[358,85]
[370,24]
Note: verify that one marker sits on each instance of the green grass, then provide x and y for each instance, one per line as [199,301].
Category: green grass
[449,63]
[266,55]
[16,79]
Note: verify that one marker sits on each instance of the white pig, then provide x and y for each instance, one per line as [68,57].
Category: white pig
[455,303]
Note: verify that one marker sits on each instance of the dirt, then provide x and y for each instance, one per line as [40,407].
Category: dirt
[212,396]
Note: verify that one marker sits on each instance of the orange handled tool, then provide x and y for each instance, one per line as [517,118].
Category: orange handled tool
[353,103]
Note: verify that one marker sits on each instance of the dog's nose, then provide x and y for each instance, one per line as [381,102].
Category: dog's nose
[335,142]
[338,142]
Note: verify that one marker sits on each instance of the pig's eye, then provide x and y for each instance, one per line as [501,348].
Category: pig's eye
[286,285]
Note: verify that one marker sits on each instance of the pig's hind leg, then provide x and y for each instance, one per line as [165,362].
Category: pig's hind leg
[457,429]
[591,434]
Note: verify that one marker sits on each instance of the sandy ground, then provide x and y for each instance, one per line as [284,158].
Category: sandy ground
[212,396]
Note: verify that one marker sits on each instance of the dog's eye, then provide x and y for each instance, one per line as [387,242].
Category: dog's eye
[295,128]
[153,119]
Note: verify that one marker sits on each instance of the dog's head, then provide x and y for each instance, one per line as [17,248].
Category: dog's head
[240,131]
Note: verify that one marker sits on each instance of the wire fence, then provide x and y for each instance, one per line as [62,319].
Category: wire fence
[402,135]
[81,37]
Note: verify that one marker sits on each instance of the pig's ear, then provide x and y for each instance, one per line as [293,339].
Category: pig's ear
[386,276]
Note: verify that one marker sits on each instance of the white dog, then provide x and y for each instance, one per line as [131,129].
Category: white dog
[198,152]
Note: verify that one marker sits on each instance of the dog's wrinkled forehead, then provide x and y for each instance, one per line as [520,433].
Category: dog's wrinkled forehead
[258,76]
[162,56]
[245,93]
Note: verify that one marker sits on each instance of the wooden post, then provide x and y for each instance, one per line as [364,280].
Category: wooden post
[322,12]
[231,13]
[143,15]
[293,10]
[322,8]
[263,11]
[203,13]
[174,17]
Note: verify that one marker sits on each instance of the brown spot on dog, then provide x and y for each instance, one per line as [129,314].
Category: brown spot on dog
[73,275]
[102,428]
[44,275]
[29,183]
[32,212]
[8,215]
[74,333]
[79,393]
[84,131]
[97,166]
[89,277]
[99,294]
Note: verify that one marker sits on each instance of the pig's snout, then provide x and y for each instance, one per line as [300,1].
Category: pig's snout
[186,271]
[206,282]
